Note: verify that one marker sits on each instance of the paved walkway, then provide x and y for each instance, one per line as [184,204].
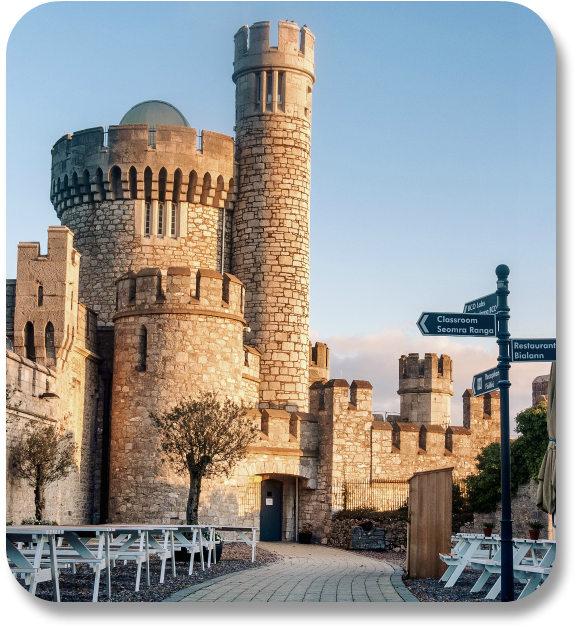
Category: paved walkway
[306,573]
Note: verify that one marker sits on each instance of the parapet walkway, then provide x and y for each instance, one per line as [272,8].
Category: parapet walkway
[306,573]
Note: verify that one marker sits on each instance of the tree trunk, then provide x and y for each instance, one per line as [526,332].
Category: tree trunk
[39,502]
[194,496]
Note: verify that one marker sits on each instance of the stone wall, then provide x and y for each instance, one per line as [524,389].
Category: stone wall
[174,337]
[389,532]
[524,510]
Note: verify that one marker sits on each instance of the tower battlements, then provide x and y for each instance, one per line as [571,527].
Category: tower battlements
[429,372]
[90,166]
[425,389]
[175,291]
[294,48]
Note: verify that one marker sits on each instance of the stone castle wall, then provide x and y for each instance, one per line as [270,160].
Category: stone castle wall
[193,341]
[72,500]
[123,220]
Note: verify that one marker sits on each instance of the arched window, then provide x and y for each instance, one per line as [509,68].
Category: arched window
[132,182]
[220,188]
[85,182]
[99,183]
[115,182]
[162,184]
[177,185]
[49,341]
[75,190]
[29,341]
[142,349]
[192,187]
[162,194]
[148,179]
[40,295]
[206,189]
[65,183]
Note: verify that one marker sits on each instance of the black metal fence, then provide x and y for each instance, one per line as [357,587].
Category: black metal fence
[375,495]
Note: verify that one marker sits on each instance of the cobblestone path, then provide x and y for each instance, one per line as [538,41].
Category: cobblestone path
[306,573]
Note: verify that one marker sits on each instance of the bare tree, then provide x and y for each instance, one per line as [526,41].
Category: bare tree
[201,436]
[44,456]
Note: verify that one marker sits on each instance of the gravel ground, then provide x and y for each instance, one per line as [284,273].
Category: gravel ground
[78,587]
[431,590]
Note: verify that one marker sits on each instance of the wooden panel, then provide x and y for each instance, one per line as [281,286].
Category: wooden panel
[430,522]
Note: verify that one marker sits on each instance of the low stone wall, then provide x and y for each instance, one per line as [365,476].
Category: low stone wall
[389,530]
[524,510]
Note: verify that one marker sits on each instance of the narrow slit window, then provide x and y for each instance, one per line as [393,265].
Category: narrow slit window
[142,349]
[269,87]
[147,229]
[29,341]
[280,79]
[49,341]
[173,220]
[40,295]
[161,213]
[258,85]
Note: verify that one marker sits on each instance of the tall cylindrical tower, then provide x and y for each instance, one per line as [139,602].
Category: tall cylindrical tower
[271,219]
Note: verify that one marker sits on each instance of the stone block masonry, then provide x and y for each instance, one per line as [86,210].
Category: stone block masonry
[271,220]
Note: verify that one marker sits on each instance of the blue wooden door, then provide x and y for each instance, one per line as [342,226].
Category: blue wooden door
[271,511]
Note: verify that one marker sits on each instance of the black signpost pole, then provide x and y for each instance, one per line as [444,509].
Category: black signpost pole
[507,543]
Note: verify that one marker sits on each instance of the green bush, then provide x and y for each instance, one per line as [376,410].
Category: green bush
[526,454]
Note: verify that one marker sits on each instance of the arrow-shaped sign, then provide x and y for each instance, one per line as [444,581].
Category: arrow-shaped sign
[456,324]
[533,350]
[488,304]
[486,381]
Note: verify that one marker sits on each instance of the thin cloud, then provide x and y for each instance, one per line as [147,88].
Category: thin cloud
[376,358]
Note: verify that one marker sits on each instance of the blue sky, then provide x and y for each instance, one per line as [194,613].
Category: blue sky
[433,153]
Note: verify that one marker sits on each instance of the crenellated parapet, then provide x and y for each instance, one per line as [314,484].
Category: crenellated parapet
[176,291]
[274,79]
[171,164]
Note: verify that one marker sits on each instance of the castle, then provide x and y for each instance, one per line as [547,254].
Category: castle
[182,265]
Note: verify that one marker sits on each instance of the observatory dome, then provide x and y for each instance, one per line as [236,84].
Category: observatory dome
[154,112]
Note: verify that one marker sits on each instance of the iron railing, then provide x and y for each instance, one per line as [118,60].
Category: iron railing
[375,495]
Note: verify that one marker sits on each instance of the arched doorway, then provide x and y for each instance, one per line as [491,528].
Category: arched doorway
[271,526]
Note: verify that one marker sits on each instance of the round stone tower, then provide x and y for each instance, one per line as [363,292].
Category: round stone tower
[271,220]
[150,192]
[174,335]
[426,389]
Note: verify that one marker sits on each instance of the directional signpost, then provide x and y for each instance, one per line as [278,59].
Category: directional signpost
[489,316]
[486,381]
[456,324]
[483,305]
[533,350]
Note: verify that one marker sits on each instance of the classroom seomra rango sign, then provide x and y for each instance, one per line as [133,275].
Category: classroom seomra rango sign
[456,324]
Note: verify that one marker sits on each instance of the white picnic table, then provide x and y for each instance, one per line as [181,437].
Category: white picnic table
[45,556]
[468,546]
[241,532]
[533,570]
[35,571]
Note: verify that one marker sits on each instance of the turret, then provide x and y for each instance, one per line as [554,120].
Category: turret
[46,303]
[425,389]
[150,191]
[271,219]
